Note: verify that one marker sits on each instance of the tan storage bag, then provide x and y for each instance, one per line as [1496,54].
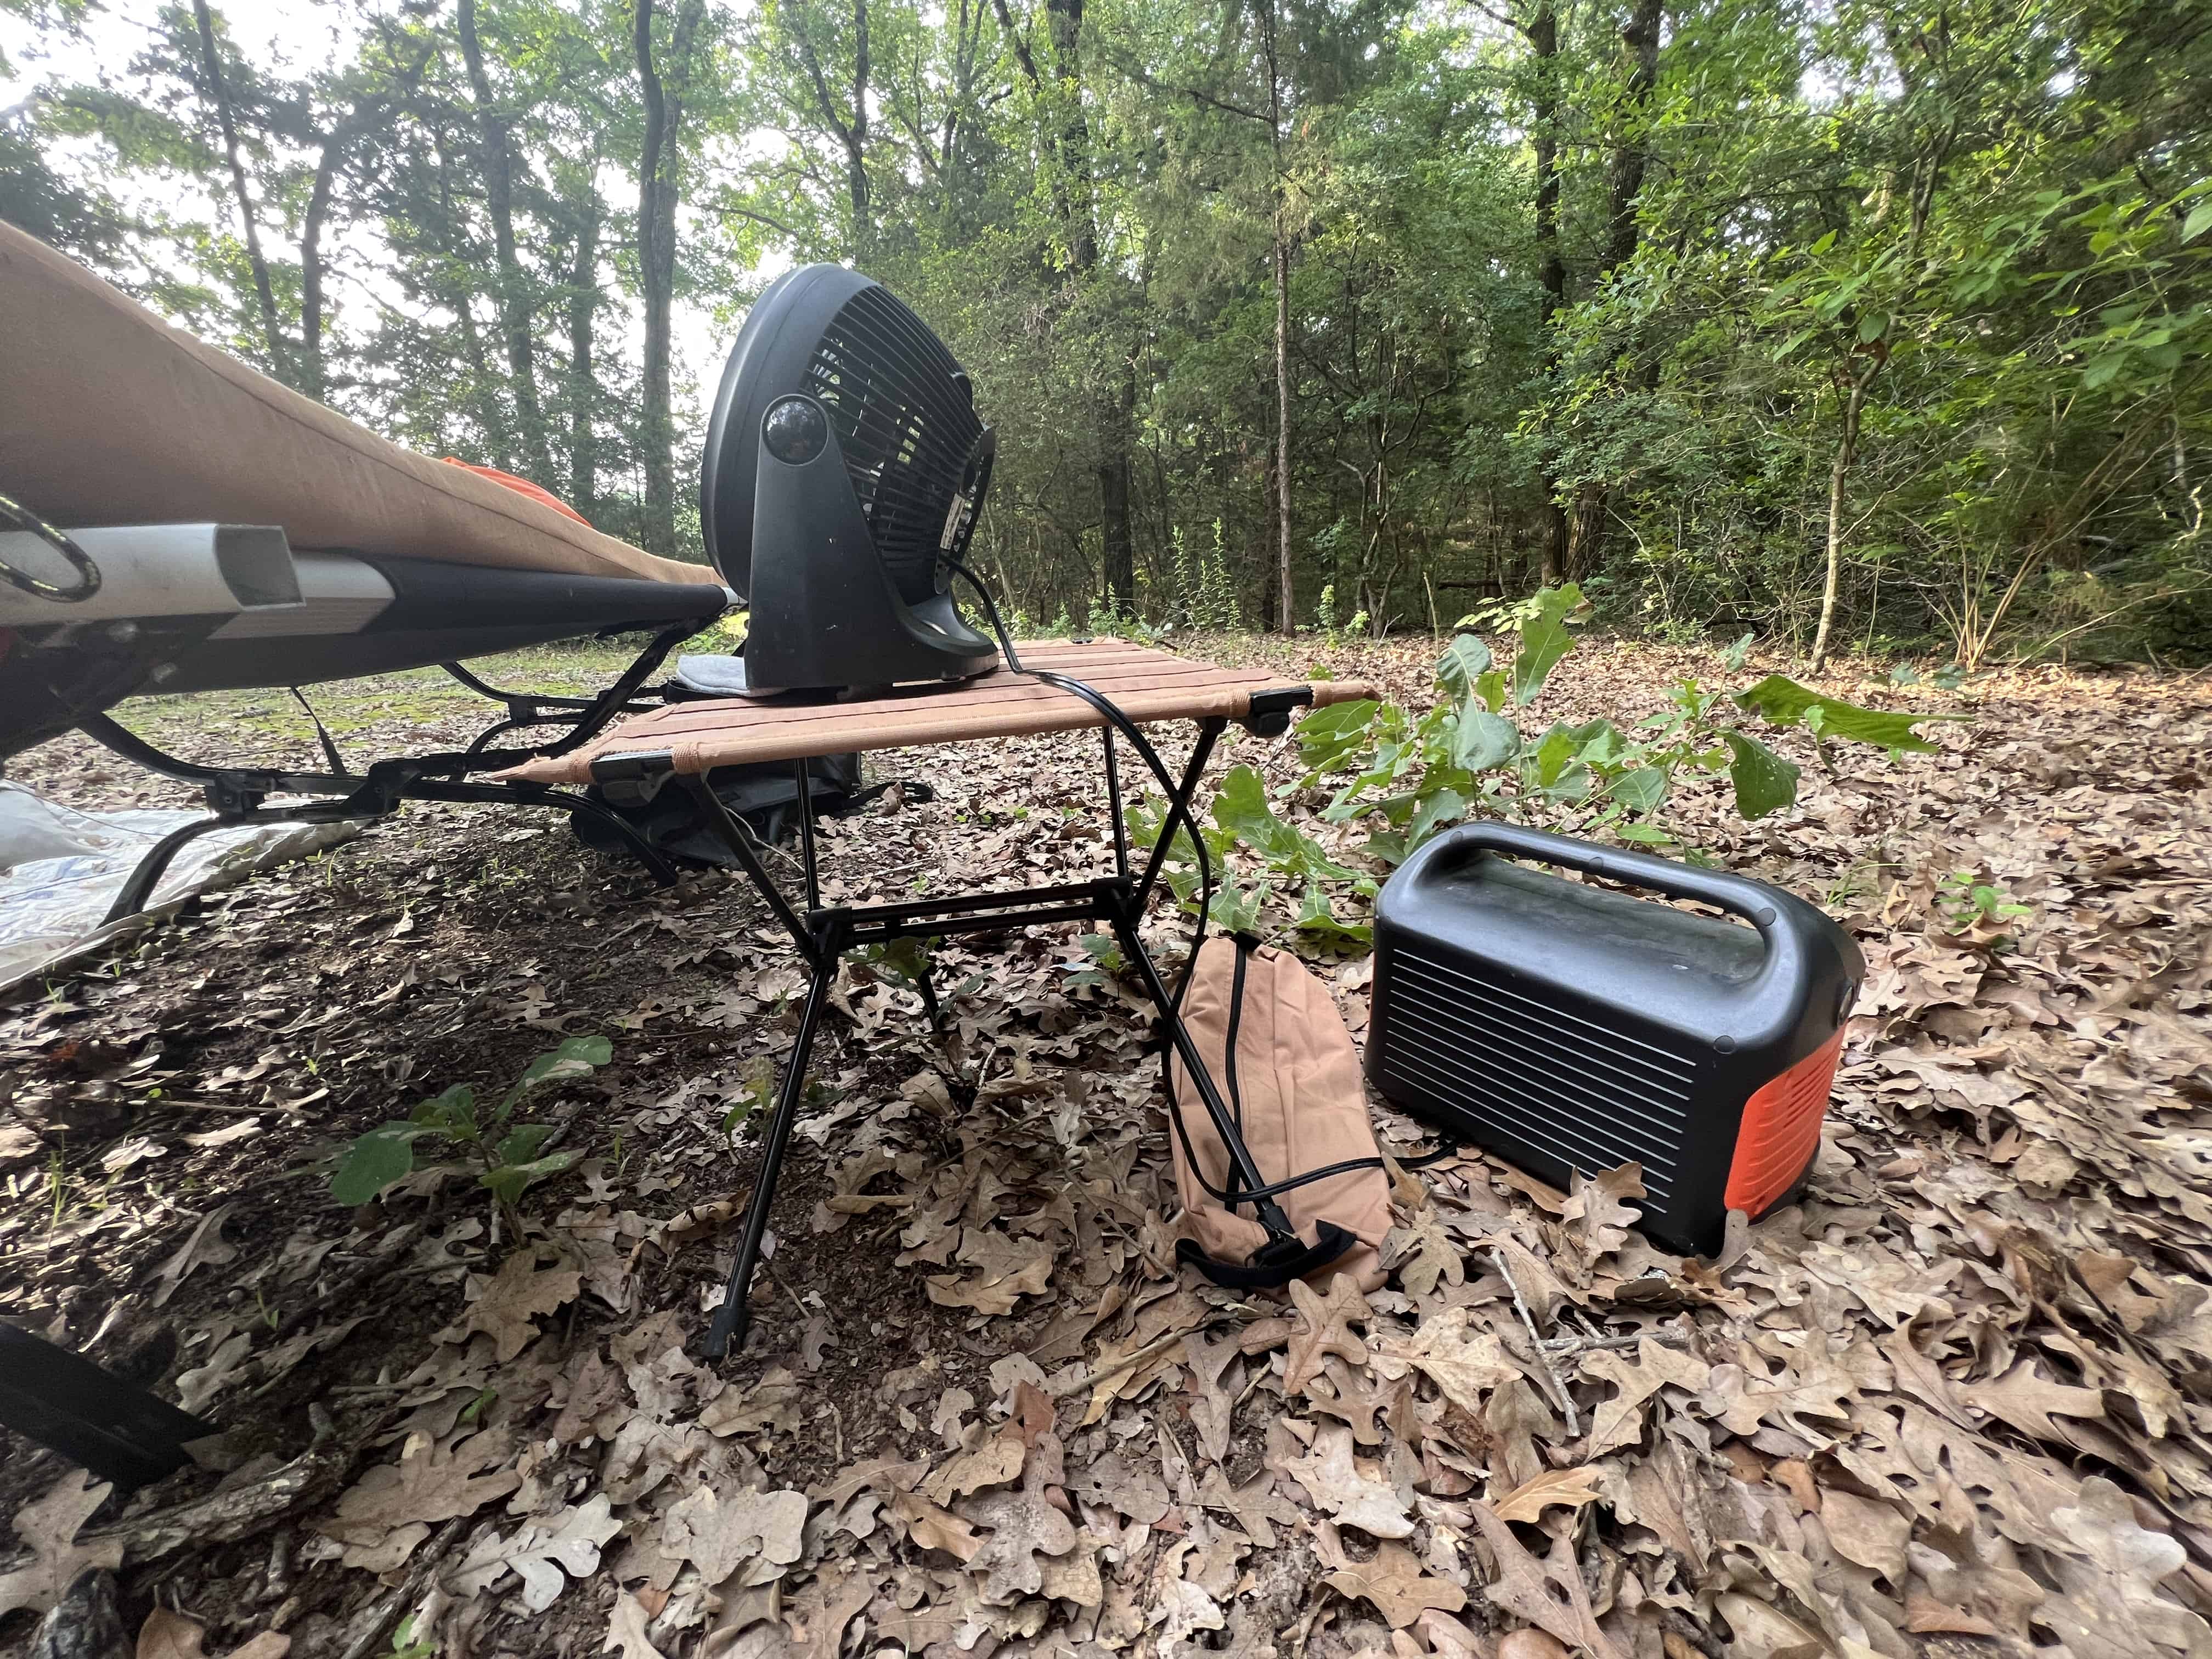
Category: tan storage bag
[1293,1086]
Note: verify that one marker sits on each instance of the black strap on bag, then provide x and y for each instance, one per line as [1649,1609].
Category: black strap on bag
[1276,1263]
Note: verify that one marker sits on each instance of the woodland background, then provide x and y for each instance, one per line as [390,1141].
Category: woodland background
[1347,313]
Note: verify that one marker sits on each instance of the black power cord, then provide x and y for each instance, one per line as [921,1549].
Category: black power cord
[1121,723]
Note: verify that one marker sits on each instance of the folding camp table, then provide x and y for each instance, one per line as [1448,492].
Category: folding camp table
[682,745]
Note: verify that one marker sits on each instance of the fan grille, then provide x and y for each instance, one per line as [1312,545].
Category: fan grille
[906,422]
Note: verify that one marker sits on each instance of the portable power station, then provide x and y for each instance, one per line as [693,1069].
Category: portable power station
[1567,1027]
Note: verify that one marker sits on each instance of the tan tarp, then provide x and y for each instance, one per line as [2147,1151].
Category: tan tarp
[109,416]
[1145,683]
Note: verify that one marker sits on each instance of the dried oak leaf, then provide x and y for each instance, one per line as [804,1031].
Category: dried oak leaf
[2026,1400]
[1335,1483]
[49,1525]
[626,1629]
[1465,1364]
[392,1508]
[510,1303]
[545,1555]
[1619,1421]
[994,1464]
[1423,1254]
[1009,1269]
[166,1635]
[1550,1595]
[1324,1326]
[1528,1500]
[719,1533]
[2109,1600]
[1598,1217]
[930,1528]
[204,1248]
[1025,1528]
[1393,1583]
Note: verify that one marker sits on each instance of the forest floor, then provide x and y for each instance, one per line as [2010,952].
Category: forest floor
[1957,1401]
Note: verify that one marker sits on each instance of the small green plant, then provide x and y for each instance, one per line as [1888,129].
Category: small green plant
[1206,592]
[405,1645]
[1980,910]
[1409,776]
[1325,619]
[504,1153]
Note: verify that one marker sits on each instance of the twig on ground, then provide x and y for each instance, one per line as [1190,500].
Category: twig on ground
[1115,1368]
[1673,1336]
[369,1628]
[1565,1400]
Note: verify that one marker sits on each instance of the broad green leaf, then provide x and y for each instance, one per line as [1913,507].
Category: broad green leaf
[520,1143]
[510,1181]
[1315,915]
[1464,660]
[2194,225]
[1237,910]
[1642,790]
[1483,740]
[1491,688]
[1241,809]
[575,1057]
[1328,737]
[1764,781]
[1785,703]
[1437,809]
[375,1161]
[1732,659]
[1551,756]
[1544,640]
[1649,833]
[454,1112]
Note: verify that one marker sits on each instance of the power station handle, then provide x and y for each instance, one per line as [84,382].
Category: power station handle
[1738,895]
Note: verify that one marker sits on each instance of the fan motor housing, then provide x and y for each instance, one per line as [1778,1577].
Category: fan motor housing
[844,460]
[1570,1029]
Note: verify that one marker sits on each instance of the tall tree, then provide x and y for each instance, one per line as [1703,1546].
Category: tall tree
[658,176]
[496,148]
[218,97]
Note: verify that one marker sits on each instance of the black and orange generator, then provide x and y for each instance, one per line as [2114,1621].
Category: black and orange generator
[1568,1027]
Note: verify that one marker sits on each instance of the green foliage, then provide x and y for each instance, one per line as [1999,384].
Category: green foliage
[505,1154]
[1996,232]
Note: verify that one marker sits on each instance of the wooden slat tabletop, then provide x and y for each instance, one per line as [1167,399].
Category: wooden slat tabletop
[1147,685]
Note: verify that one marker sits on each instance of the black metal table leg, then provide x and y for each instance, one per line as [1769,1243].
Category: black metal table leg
[66,1403]
[734,1319]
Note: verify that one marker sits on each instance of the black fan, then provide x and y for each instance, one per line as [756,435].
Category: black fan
[844,459]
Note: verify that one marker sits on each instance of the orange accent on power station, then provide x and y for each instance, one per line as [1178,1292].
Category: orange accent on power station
[1782,1130]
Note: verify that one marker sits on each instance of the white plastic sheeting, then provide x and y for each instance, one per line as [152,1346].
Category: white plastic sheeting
[60,869]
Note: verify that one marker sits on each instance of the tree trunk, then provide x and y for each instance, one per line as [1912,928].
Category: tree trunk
[1118,547]
[1543,34]
[491,418]
[1286,609]
[495,146]
[656,233]
[314,378]
[852,134]
[219,96]
[1847,449]
[583,309]
[1631,154]
[1115,406]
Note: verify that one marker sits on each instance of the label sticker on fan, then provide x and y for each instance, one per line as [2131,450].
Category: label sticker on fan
[955,520]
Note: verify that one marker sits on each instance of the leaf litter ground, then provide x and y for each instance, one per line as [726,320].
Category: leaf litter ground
[1956,1401]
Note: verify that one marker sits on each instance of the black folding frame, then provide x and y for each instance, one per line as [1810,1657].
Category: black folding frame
[823,933]
[236,795]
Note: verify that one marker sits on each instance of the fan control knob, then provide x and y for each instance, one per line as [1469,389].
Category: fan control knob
[795,430]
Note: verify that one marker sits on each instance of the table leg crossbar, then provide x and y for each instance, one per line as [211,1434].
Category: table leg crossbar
[824,934]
